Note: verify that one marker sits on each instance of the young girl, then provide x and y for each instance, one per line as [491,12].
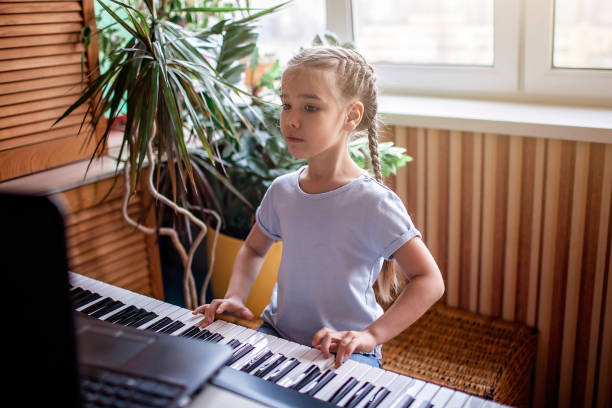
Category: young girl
[336,222]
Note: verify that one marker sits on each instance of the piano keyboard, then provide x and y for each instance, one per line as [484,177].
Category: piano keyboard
[273,360]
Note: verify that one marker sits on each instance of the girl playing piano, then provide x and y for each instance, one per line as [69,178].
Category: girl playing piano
[340,227]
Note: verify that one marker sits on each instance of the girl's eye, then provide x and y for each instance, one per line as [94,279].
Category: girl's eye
[286,106]
[311,108]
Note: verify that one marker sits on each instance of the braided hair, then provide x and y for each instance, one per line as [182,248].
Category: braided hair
[356,79]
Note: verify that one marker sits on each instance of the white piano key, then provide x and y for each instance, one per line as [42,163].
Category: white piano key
[162,311]
[301,353]
[343,373]
[491,404]
[442,396]
[396,389]
[383,381]
[261,343]
[474,402]
[411,390]
[457,400]
[315,356]
[425,394]
[360,374]
[232,334]
[244,335]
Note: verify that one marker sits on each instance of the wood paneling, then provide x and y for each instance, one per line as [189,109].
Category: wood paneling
[526,237]
[42,57]
[105,247]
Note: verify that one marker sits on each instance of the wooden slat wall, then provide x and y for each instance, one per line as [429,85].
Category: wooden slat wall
[40,77]
[521,229]
[103,246]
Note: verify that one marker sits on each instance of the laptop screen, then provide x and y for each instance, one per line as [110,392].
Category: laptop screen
[38,326]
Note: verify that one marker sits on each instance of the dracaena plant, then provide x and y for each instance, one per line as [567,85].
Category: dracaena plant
[177,86]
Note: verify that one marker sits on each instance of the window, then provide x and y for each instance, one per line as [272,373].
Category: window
[446,32]
[568,48]
[283,32]
[582,34]
[514,48]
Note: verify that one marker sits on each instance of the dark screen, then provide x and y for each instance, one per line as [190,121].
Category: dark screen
[37,319]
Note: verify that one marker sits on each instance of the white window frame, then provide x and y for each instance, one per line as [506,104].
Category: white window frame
[522,70]
[501,77]
[539,74]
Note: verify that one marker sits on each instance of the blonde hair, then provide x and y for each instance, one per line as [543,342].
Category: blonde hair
[356,79]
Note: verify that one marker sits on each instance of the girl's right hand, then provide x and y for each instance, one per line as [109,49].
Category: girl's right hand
[232,306]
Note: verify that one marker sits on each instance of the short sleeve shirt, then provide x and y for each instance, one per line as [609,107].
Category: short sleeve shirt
[334,244]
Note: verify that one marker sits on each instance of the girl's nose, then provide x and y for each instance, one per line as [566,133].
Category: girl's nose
[294,122]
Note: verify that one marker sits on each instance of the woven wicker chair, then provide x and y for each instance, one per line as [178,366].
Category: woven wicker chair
[468,352]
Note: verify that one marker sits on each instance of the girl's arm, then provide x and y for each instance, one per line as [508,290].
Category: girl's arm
[247,264]
[425,286]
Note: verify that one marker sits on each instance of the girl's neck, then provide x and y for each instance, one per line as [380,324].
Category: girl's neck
[325,175]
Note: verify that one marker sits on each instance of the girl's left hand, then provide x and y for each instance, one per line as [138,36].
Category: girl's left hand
[343,343]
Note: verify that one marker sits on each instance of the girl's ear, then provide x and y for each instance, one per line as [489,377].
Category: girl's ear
[354,114]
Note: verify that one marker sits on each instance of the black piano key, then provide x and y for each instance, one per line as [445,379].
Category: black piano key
[78,296]
[215,338]
[405,401]
[343,390]
[378,397]
[76,292]
[160,324]
[127,320]
[119,315]
[425,404]
[310,374]
[172,328]
[262,372]
[81,296]
[233,343]
[281,374]
[108,309]
[256,362]
[190,332]
[204,334]
[144,319]
[239,353]
[127,317]
[359,395]
[86,300]
[96,306]
[322,382]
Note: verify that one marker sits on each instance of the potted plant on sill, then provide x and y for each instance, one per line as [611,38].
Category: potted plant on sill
[251,166]
[174,83]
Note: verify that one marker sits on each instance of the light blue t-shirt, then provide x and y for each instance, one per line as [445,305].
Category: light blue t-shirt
[333,249]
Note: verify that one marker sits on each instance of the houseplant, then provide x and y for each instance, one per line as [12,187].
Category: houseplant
[252,165]
[173,82]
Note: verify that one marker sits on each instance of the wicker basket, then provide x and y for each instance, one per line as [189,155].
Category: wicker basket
[482,356]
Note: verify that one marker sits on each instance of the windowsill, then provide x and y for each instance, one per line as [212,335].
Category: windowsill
[69,176]
[522,119]
[511,118]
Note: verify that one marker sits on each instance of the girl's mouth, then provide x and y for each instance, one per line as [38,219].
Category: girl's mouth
[291,139]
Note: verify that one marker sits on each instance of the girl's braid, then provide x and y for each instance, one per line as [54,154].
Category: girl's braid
[356,79]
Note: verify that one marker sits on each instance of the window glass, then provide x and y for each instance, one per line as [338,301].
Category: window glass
[447,32]
[282,33]
[583,34]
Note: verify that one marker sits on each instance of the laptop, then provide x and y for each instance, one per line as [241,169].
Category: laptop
[57,355]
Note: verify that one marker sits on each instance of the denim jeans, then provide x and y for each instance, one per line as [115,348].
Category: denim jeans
[359,356]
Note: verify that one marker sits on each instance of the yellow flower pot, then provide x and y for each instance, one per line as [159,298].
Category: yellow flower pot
[225,253]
